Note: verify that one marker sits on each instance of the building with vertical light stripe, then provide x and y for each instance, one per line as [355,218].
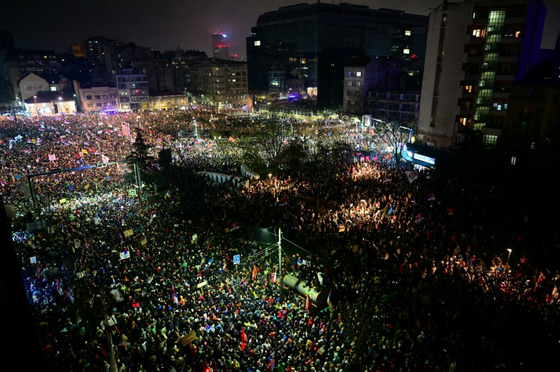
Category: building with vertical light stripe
[476,51]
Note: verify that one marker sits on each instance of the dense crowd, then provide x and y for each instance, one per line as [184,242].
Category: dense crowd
[412,264]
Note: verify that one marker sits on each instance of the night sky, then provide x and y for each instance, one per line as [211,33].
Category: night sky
[166,24]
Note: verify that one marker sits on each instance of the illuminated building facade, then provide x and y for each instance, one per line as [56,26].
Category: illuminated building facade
[477,50]
[133,91]
[311,43]
[222,82]
[220,46]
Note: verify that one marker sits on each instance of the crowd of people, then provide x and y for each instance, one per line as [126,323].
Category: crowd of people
[171,276]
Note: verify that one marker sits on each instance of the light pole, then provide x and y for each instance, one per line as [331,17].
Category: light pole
[509,254]
[36,108]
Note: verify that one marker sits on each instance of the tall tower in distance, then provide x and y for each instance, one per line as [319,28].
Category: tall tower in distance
[220,47]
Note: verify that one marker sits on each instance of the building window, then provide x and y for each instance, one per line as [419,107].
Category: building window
[406,51]
[489,140]
[478,32]
[407,32]
[359,73]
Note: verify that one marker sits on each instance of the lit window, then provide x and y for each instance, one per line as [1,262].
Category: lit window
[359,73]
[407,32]
[478,32]
[257,43]
[517,33]
[406,51]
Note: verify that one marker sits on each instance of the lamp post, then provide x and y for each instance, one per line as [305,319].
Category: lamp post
[509,254]
[36,108]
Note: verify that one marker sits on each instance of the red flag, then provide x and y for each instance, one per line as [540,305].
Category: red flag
[307,302]
[244,338]
[254,272]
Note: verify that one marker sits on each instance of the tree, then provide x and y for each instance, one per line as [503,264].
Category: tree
[394,136]
[140,150]
[293,155]
[265,142]
[139,160]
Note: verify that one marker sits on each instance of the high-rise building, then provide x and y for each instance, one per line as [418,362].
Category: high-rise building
[311,43]
[220,46]
[476,51]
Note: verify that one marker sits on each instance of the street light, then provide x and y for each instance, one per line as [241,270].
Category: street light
[509,254]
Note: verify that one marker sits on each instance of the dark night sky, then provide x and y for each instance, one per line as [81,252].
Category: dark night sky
[166,24]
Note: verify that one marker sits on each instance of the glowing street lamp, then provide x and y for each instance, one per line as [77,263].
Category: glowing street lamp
[509,254]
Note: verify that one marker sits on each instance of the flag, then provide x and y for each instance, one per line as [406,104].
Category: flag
[104,159]
[431,197]
[185,340]
[307,302]
[329,302]
[244,337]
[174,297]
[234,226]
[411,175]
[126,129]
[283,202]
[84,151]
[52,157]
[450,211]
[420,217]
[254,272]
[231,139]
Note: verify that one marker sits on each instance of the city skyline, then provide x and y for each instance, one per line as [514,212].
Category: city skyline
[56,25]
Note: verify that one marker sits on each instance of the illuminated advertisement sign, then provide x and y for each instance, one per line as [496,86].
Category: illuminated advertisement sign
[425,159]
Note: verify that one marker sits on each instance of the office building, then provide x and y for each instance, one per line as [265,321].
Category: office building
[311,44]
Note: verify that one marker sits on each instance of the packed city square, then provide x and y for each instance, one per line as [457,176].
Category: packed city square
[173,275]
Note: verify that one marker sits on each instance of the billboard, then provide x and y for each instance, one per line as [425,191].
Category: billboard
[31,84]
